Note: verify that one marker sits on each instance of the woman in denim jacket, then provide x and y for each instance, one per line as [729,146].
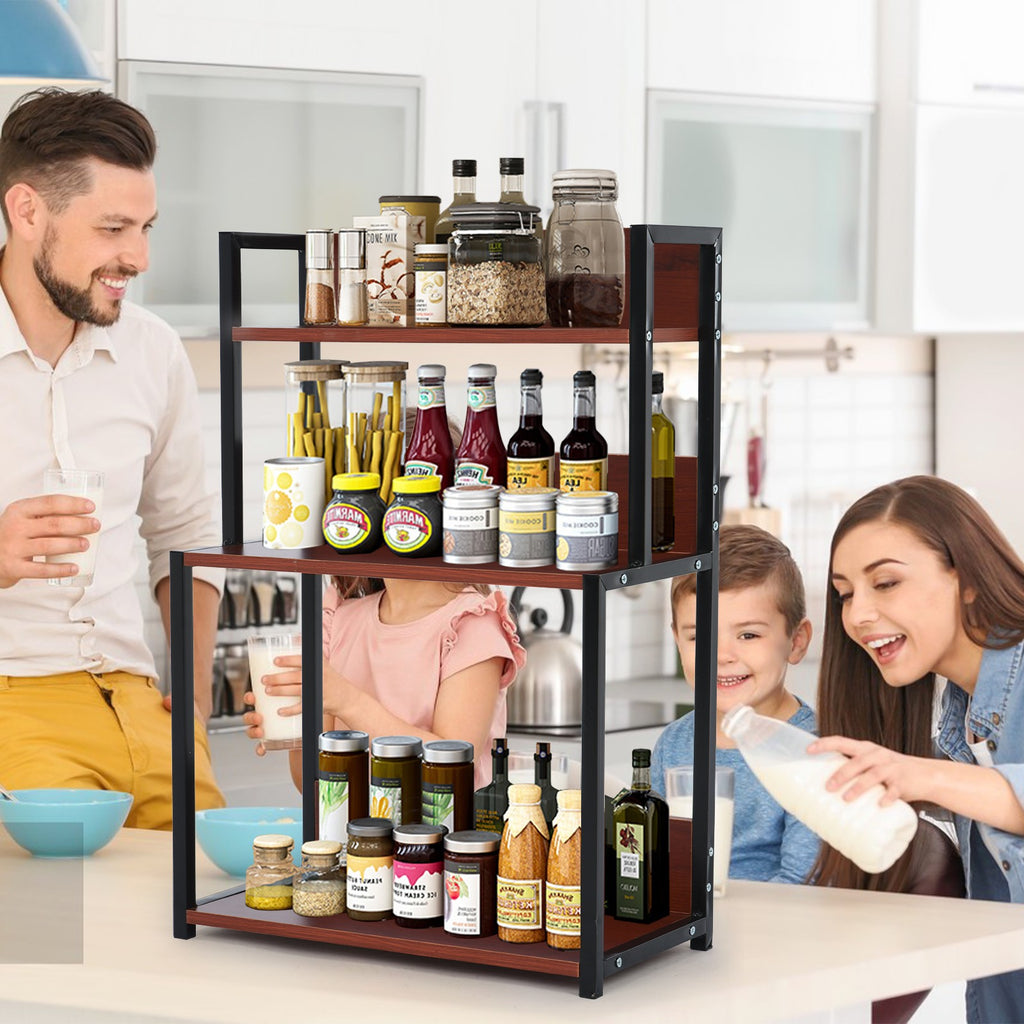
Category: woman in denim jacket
[922,584]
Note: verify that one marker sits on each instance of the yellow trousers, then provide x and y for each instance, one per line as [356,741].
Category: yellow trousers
[86,731]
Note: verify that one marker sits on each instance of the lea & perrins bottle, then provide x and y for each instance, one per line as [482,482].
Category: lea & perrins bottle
[480,458]
[522,867]
[531,449]
[583,453]
[430,450]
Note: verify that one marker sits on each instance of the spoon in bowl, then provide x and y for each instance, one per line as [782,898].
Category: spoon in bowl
[6,794]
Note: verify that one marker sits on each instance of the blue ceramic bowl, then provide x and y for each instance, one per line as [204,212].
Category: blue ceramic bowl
[225,834]
[64,822]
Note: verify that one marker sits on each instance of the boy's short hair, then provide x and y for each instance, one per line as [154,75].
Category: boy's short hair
[748,557]
[50,133]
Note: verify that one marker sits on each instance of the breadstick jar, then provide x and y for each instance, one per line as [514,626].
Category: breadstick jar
[375,441]
[315,408]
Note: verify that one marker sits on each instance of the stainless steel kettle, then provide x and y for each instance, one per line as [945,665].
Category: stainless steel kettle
[548,692]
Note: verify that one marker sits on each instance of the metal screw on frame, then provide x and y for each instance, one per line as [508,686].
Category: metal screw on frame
[623,578]
[618,961]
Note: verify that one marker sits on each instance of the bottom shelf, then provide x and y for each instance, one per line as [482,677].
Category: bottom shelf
[229,911]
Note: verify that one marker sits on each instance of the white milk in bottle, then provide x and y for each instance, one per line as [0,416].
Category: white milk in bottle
[873,837]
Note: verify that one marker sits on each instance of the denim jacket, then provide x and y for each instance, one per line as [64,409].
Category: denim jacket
[996,716]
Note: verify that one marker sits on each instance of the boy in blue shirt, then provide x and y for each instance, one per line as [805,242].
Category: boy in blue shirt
[762,630]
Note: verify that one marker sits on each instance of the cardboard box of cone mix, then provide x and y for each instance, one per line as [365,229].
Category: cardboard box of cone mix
[391,238]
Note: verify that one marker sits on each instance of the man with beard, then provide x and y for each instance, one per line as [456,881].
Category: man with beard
[90,381]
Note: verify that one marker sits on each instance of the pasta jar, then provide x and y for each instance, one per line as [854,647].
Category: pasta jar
[588,530]
[470,517]
[495,265]
[315,400]
[319,888]
[526,526]
[353,521]
[471,882]
[395,765]
[375,427]
[343,784]
[431,270]
[369,878]
[268,880]
[419,876]
[413,520]
[448,784]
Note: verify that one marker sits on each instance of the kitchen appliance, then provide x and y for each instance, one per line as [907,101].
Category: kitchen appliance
[548,692]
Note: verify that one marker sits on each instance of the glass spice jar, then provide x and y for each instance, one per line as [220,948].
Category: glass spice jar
[321,307]
[319,888]
[470,882]
[419,876]
[448,784]
[369,869]
[350,244]
[268,880]
[395,763]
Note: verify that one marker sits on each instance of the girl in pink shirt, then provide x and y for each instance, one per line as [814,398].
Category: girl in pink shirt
[415,657]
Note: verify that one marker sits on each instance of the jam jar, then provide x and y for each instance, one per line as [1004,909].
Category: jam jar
[413,521]
[471,882]
[419,876]
[370,869]
[354,519]
[319,887]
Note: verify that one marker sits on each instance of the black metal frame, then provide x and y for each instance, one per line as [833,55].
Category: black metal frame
[595,964]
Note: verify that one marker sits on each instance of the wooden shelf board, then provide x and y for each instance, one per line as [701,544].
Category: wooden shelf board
[459,335]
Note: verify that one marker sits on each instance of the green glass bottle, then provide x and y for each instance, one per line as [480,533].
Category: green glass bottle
[663,470]
[542,777]
[491,802]
[640,825]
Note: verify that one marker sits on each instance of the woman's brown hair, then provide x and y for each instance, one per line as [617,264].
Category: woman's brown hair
[853,698]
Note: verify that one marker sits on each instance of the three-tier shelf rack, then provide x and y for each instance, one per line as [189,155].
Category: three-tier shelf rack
[673,294]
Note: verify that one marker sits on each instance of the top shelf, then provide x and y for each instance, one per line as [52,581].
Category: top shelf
[459,335]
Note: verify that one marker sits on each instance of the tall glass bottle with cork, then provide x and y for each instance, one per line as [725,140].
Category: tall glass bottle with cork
[430,450]
[640,837]
[663,470]
[531,449]
[463,192]
[480,458]
[583,453]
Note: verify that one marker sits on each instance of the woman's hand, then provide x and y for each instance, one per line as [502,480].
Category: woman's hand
[287,683]
[903,777]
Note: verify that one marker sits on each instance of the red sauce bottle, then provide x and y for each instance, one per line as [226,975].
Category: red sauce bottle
[531,450]
[430,451]
[481,455]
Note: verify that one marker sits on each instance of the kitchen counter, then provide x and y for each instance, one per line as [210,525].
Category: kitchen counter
[780,952]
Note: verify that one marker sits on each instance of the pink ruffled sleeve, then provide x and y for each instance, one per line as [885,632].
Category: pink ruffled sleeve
[481,631]
[331,601]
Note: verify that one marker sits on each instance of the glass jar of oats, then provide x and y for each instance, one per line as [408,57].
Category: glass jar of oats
[495,266]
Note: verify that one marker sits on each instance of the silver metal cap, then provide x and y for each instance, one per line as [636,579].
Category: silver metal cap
[319,249]
[351,248]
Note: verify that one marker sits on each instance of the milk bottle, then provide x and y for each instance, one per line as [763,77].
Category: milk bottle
[873,837]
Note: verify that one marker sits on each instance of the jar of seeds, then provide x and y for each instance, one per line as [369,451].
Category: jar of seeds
[495,268]
[319,889]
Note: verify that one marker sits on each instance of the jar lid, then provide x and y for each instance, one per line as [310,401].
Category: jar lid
[657,383]
[371,828]
[524,793]
[481,370]
[372,372]
[410,199]
[420,833]
[273,841]
[511,165]
[431,370]
[321,848]
[356,482]
[528,499]
[472,841]
[495,215]
[314,369]
[531,377]
[294,460]
[471,496]
[568,800]
[429,249]
[344,741]
[588,502]
[430,484]
[397,746]
[464,168]
[448,752]
[586,179]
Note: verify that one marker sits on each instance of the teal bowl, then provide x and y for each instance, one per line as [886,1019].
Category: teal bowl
[64,822]
[225,834]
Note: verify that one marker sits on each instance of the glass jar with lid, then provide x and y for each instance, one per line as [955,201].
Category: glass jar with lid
[375,401]
[268,880]
[314,401]
[319,887]
[321,306]
[585,250]
[495,266]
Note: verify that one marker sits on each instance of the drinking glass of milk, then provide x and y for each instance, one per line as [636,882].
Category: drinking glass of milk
[679,794]
[280,732]
[80,483]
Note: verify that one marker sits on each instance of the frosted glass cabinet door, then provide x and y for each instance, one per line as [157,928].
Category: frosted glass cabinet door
[259,149]
[790,186]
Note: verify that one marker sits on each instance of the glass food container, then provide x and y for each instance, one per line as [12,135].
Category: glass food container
[319,888]
[375,401]
[585,251]
[268,880]
[495,266]
[315,410]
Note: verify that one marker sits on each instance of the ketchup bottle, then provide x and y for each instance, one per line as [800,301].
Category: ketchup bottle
[481,455]
[430,451]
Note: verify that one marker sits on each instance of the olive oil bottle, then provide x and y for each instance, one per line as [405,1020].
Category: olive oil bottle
[491,802]
[663,470]
[640,834]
